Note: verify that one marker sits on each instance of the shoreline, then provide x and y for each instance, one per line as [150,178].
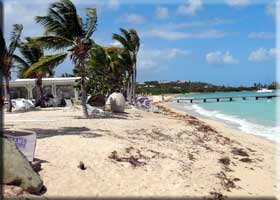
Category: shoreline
[265,131]
[220,122]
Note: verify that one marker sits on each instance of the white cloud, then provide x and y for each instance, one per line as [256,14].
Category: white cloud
[271,9]
[191,8]
[158,60]
[237,3]
[218,57]
[177,35]
[132,18]
[202,23]
[162,13]
[113,4]
[261,35]
[115,43]
[17,12]
[262,54]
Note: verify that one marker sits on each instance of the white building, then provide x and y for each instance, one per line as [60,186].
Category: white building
[62,87]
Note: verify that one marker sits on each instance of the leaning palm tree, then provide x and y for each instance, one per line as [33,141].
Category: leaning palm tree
[130,41]
[120,65]
[6,58]
[64,28]
[34,64]
[106,69]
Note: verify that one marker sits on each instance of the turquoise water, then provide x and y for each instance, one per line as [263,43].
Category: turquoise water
[250,115]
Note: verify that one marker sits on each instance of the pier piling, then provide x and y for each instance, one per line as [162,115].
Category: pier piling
[229,98]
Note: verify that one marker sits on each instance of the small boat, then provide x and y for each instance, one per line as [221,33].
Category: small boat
[263,90]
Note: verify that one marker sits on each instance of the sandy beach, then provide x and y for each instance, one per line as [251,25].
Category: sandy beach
[142,153]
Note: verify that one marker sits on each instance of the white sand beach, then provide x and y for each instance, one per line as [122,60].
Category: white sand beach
[141,153]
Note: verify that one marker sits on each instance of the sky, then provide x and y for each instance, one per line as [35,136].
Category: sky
[225,42]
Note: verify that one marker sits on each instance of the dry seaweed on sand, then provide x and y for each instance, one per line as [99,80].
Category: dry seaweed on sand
[191,156]
[225,161]
[206,128]
[239,152]
[216,196]
[134,160]
[247,160]
[227,182]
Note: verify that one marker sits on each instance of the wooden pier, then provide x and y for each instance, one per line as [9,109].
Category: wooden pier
[191,100]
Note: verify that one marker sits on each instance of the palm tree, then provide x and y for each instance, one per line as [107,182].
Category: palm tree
[64,28]
[130,41]
[33,64]
[106,69]
[6,58]
[120,65]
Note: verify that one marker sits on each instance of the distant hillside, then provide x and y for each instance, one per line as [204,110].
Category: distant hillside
[175,87]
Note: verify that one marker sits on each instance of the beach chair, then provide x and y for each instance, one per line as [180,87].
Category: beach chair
[68,103]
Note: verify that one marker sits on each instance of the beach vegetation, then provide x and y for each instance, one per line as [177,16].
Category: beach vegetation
[6,58]
[107,69]
[131,42]
[181,87]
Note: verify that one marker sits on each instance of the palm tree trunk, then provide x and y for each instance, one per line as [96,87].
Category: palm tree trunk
[9,107]
[40,92]
[128,90]
[134,78]
[84,97]
[134,84]
[131,89]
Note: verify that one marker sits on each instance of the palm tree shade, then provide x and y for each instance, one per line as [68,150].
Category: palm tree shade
[65,29]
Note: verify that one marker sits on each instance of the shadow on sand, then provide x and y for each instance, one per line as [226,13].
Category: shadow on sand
[82,131]
[124,116]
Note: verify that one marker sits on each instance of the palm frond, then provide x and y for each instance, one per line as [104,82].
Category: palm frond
[62,15]
[125,34]
[15,38]
[31,51]
[54,42]
[121,39]
[45,63]
[20,62]
[97,56]
[21,66]
[135,39]
[53,25]
[91,22]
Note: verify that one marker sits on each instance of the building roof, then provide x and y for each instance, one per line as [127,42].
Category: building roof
[46,81]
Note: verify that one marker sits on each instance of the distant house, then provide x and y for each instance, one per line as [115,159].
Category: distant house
[149,86]
[62,87]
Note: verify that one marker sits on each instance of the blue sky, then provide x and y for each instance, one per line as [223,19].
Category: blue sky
[230,42]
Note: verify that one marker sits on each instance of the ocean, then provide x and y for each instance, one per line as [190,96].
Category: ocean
[252,116]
